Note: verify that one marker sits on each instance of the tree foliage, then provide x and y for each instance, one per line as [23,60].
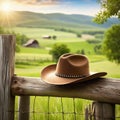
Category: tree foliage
[111,44]
[20,38]
[108,8]
[57,50]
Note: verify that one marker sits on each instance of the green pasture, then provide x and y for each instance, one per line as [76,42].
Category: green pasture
[73,46]
[73,42]
[31,64]
[53,108]
[112,69]
[59,105]
[34,51]
[38,33]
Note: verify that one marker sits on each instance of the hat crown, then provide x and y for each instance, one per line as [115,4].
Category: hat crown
[72,65]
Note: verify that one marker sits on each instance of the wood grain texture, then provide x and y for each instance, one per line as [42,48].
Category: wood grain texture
[7,51]
[24,107]
[104,111]
[101,89]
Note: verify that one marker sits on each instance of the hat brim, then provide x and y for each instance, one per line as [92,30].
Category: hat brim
[48,75]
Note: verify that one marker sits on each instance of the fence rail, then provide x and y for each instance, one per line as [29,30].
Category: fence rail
[101,89]
[105,91]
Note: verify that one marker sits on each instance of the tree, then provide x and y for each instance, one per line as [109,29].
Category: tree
[109,8]
[111,44]
[57,50]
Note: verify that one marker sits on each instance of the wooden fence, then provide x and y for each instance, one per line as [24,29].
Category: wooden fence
[104,91]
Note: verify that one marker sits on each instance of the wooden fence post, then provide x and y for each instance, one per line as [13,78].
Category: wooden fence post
[24,107]
[104,111]
[7,52]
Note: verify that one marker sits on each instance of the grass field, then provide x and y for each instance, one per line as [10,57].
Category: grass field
[30,62]
[73,42]
[38,33]
[33,69]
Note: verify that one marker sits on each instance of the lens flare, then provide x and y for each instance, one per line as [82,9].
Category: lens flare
[6,7]
[7,15]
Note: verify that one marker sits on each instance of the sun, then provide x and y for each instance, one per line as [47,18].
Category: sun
[7,14]
[6,7]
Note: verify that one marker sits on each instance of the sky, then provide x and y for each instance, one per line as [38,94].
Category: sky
[86,7]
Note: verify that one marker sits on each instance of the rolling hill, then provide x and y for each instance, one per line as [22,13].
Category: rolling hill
[58,21]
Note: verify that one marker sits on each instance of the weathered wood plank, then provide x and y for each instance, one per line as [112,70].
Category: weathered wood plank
[101,89]
[104,111]
[24,107]
[7,51]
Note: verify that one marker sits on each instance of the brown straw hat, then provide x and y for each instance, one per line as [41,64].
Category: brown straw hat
[69,69]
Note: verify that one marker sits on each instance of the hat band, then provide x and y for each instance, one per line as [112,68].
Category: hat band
[70,76]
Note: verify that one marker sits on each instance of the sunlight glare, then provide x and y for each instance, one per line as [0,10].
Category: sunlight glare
[8,15]
[6,7]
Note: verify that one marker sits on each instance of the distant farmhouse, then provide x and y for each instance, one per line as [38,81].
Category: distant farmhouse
[32,43]
[46,37]
[49,37]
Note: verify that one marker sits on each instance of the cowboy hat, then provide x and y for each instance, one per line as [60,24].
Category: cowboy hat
[69,69]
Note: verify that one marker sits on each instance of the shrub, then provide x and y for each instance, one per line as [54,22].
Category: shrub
[79,35]
[54,37]
[57,50]
[82,51]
